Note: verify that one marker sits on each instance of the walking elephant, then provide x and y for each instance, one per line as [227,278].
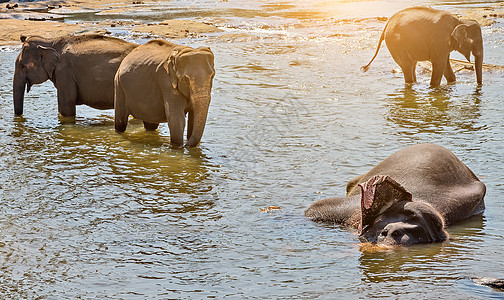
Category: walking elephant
[423,33]
[81,67]
[407,198]
[162,82]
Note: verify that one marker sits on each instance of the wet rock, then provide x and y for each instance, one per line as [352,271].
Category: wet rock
[101,31]
[176,28]
[485,16]
[12,29]
[497,283]
[237,37]
[31,16]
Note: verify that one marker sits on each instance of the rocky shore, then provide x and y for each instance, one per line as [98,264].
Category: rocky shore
[49,18]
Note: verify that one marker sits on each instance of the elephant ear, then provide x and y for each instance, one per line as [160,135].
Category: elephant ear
[379,193]
[50,59]
[171,68]
[459,37]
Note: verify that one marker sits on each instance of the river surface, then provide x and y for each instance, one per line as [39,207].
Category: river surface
[86,212]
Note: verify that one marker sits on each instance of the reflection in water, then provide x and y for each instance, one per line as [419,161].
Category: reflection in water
[415,110]
[398,264]
[83,195]
[425,263]
[90,156]
[86,212]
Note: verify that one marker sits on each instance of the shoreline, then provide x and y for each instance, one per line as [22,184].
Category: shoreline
[47,19]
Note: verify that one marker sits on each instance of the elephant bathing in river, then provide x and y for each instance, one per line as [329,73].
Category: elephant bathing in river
[162,82]
[423,33]
[407,198]
[82,68]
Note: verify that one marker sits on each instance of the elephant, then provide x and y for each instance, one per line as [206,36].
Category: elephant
[408,198]
[81,67]
[162,82]
[426,34]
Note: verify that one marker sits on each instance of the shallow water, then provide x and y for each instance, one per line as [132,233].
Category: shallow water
[87,212]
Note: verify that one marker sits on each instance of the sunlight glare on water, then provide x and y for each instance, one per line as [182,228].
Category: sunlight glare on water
[88,212]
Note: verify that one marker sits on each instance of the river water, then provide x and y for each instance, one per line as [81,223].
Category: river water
[86,212]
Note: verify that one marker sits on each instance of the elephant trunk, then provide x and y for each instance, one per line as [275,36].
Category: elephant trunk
[197,120]
[478,66]
[477,49]
[18,90]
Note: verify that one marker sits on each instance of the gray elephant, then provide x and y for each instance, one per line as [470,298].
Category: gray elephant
[423,33]
[407,198]
[81,67]
[162,82]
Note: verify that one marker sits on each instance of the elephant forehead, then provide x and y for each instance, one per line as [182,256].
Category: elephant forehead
[195,57]
[27,54]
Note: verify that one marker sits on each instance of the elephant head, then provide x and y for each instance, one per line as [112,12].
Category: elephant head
[389,216]
[466,38]
[35,64]
[191,72]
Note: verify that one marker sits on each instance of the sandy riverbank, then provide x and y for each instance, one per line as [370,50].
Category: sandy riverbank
[46,18]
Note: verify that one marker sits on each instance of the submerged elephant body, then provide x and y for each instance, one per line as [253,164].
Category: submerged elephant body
[162,82]
[82,68]
[407,198]
[427,34]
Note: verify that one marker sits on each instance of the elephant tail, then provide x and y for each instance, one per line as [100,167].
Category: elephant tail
[382,37]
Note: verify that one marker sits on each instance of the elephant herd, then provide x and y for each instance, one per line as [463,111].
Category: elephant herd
[410,197]
[155,82]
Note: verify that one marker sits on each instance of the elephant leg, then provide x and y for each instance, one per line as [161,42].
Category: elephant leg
[121,113]
[150,126]
[448,73]
[67,97]
[414,71]
[438,69]
[353,183]
[409,72]
[175,115]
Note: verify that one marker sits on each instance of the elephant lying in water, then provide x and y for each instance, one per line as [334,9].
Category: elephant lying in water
[81,67]
[407,198]
[162,82]
[423,33]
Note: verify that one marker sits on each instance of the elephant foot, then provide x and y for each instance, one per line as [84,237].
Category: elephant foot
[176,146]
[66,119]
[120,127]
[150,126]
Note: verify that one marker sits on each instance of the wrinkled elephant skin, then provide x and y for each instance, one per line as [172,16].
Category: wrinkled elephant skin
[407,198]
[426,34]
[162,82]
[81,67]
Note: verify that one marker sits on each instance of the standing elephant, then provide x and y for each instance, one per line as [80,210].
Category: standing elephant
[423,33]
[408,198]
[162,82]
[81,67]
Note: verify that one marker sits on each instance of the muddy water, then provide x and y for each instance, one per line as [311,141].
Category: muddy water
[87,212]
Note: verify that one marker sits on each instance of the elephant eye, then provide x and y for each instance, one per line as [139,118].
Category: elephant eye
[409,215]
